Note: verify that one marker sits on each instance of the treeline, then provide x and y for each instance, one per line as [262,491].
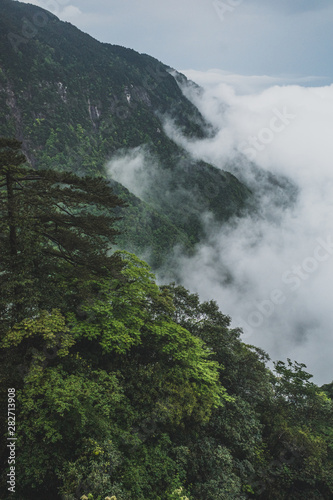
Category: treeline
[130,391]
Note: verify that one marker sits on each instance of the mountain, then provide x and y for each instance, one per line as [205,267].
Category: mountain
[76,103]
[113,387]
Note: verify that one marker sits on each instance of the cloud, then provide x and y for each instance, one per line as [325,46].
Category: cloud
[271,270]
[134,168]
[245,84]
[70,13]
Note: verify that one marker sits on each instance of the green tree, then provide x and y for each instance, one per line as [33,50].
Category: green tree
[131,320]
[55,228]
[297,432]
[120,371]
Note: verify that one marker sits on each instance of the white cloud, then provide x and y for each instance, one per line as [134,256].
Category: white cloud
[132,168]
[70,13]
[245,84]
[281,284]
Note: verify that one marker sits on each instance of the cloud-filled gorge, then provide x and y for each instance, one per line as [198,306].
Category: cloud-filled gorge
[280,260]
[271,270]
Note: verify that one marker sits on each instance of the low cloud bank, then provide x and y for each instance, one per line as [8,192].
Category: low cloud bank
[271,271]
[135,169]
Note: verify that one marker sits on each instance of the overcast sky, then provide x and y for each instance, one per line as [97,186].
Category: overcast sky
[285,38]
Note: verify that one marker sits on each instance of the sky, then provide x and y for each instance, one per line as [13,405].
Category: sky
[266,78]
[285,38]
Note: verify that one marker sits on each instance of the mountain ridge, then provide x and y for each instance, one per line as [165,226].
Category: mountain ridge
[75,102]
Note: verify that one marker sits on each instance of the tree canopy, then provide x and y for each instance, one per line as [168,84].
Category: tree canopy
[127,390]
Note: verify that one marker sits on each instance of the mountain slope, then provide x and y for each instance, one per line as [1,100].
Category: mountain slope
[75,102]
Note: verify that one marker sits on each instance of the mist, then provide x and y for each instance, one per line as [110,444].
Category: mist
[271,270]
[134,168]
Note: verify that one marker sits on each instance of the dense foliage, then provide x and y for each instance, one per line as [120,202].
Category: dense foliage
[132,391]
[127,390]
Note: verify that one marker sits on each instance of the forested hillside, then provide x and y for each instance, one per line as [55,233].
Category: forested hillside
[112,387]
[75,102]
[122,389]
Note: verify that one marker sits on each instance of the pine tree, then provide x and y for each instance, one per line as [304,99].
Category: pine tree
[56,235]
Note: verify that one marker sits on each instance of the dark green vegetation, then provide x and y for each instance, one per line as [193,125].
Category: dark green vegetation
[129,390]
[75,102]
[126,389]
[51,222]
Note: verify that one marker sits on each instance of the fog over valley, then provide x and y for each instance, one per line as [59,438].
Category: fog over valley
[270,270]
